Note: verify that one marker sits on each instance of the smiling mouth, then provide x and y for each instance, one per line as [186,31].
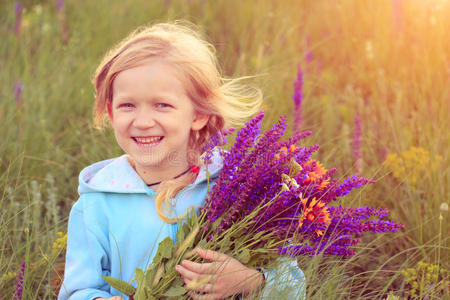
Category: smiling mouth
[147,141]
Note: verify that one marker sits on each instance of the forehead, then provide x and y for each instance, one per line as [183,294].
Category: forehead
[153,76]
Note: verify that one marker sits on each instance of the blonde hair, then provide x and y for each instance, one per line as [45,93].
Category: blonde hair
[228,102]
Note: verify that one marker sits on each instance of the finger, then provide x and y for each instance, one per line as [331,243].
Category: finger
[206,268]
[196,284]
[186,273]
[197,296]
[192,285]
[212,255]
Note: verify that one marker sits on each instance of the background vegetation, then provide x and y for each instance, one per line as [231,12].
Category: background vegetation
[383,62]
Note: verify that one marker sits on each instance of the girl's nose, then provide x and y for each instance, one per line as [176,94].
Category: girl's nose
[144,119]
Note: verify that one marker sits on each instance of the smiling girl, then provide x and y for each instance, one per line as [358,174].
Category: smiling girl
[161,92]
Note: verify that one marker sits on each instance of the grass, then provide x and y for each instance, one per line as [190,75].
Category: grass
[394,72]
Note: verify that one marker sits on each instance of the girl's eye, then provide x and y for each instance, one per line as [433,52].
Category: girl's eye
[162,105]
[126,105]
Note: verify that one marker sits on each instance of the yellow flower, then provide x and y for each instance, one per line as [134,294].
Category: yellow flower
[413,166]
[9,276]
[423,277]
[61,242]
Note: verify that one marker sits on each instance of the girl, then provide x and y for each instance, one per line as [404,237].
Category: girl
[162,94]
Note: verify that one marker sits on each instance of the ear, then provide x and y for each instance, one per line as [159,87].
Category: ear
[109,108]
[200,120]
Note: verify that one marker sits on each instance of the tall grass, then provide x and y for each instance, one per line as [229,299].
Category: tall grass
[386,61]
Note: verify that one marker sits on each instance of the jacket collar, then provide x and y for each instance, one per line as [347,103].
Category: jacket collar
[116,175]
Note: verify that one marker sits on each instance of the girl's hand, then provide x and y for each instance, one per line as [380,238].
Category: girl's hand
[223,277]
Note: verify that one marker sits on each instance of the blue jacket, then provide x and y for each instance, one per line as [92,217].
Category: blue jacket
[114,228]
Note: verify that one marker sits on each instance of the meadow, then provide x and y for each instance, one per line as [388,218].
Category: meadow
[375,94]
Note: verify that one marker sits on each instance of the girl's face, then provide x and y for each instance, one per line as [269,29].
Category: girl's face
[152,116]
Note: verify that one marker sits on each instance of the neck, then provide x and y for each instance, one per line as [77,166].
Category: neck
[156,175]
[173,178]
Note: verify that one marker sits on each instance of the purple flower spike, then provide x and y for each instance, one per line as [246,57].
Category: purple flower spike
[233,159]
[351,183]
[60,5]
[19,283]
[309,56]
[215,142]
[18,9]
[298,98]
[18,93]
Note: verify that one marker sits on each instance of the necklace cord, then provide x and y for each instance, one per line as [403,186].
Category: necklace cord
[179,175]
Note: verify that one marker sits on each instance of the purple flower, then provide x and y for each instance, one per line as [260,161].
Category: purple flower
[60,5]
[19,283]
[351,183]
[309,56]
[18,9]
[232,161]
[252,177]
[298,98]
[62,21]
[18,93]
[215,142]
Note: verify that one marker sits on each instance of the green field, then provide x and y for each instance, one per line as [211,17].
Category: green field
[388,62]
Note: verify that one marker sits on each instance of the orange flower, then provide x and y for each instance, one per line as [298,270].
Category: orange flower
[316,174]
[316,211]
[284,151]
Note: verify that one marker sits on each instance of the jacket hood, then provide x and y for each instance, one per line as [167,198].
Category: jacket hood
[116,175]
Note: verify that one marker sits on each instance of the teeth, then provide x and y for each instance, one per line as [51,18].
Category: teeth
[148,140]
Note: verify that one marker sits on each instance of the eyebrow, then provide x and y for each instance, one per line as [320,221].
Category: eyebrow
[160,97]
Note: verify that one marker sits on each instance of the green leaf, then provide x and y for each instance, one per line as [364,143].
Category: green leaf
[178,281]
[181,232]
[194,218]
[164,251]
[244,256]
[120,285]
[139,275]
[294,168]
[141,284]
[149,276]
[170,265]
[175,291]
[286,178]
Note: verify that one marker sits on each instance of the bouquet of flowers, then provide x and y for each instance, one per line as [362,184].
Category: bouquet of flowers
[270,200]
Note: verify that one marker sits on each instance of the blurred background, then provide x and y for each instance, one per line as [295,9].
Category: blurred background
[370,78]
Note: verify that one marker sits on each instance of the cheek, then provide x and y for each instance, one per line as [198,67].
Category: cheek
[120,126]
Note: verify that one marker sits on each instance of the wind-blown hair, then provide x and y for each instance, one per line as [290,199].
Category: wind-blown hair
[228,102]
